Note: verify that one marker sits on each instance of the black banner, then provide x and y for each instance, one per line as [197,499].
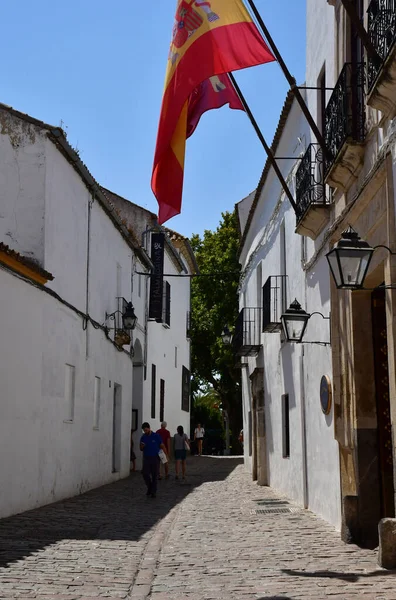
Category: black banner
[156,279]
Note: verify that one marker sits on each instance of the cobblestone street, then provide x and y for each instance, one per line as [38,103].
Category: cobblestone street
[197,540]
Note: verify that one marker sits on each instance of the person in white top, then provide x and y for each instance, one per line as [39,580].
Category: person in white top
[198,437]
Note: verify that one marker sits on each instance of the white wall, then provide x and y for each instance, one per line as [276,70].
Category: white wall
[22,186]
[46,458]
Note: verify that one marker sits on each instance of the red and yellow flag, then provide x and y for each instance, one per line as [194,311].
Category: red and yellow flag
[210,39]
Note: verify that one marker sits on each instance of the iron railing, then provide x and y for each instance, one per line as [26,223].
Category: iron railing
[345,115]
[310,188]
[382,30]
[274,302]
[121,308]
[246,340]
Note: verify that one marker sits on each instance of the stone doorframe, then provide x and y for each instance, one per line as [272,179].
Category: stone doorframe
[355,418]
[259,454]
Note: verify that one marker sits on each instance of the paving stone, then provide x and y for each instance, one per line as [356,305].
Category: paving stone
[193,542]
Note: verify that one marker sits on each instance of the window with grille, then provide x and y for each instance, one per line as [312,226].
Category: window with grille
[153,383]
[166,303]
[162,399]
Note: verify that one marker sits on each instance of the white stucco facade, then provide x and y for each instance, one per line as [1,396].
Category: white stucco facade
[307,470]
[67,392]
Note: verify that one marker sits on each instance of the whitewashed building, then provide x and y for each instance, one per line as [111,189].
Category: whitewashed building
[340,462]
[70,374]
[289,441]
[162,387]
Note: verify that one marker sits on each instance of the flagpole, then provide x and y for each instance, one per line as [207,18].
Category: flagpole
[290,79]
[267,149]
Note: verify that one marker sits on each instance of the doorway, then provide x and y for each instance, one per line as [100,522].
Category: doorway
[116,446]
[137,399]
[384,427]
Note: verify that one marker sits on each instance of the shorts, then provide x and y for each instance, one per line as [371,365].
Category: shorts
[180,454]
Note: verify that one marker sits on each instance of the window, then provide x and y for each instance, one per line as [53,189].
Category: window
[70,376]
[153,382]
[162,399]
[166,303]
[285,426]
[188,324]
[140,285]
[96,403]
[185,404]
[175,357]
[321,99]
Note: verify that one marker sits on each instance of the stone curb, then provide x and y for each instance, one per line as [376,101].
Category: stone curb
[141,587]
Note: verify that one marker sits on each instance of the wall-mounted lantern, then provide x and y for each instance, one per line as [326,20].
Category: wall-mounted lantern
[226,335]
[294,322]
[349,260]
[129,319]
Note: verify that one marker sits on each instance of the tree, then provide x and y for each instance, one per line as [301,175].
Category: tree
[214,304]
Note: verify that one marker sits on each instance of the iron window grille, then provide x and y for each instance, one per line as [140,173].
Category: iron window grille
[382,31]
[188,324]
[246,340]
[310,187]
[345,115]
[274,302]
[166,303]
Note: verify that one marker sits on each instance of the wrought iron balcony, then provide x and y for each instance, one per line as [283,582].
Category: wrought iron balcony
[382,30]
[382,75]
[311,199]
[274,302]
[345,120]
[246,340]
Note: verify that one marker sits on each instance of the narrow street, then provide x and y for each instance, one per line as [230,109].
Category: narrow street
[197,540]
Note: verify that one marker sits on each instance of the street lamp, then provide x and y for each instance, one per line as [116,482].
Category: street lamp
[294,321]
[226,335]
[349,260]
[129,318]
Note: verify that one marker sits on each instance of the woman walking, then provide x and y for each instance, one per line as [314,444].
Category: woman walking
[198,437]
[181,444]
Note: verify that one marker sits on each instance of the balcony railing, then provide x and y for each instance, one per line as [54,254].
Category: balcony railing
[274,302]
[310,188]
[246,340]
[382,31]
[345,115]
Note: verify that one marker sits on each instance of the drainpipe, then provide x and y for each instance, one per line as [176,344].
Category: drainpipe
[90,203]
[303,431]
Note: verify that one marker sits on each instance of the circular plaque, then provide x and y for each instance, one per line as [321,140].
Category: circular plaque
[325,394]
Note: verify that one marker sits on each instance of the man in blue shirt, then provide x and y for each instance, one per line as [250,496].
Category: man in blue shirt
[150,444]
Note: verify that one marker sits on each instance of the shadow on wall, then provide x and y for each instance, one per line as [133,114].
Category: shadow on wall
[119,511]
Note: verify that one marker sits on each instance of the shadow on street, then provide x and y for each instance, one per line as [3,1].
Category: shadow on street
[353,577]
[119,511]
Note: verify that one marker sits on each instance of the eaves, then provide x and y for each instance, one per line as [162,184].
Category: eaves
[287,106]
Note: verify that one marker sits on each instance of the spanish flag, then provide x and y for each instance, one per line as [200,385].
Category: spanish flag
[209,40]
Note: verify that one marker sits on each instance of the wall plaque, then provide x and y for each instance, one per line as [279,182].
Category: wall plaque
[325,394]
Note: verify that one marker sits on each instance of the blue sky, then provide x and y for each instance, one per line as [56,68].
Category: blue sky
[98,69]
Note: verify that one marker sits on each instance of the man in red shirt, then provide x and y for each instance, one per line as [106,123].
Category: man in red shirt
[165,437]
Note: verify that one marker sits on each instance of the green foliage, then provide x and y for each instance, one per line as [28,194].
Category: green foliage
[207,410]
[214,304]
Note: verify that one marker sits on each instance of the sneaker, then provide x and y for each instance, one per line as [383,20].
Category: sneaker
[176,476]
[153,495]
[148,493]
